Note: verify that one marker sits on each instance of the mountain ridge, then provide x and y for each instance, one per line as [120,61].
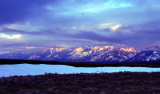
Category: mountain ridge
[104,54]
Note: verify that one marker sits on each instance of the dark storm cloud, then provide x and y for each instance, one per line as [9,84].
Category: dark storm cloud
[94,36]
[12,11]
[46,23]
[67,11]
[140,34]
[41,32]
[12,45]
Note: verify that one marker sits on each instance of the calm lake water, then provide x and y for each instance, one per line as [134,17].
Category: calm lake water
[26,69]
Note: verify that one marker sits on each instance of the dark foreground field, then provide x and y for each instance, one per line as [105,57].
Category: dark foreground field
[103,83]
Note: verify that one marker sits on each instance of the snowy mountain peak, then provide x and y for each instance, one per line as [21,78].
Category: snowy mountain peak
[88,50]
[57,49]
[129,49]
[90,54]
[87,54]
[99,48]
[52,50]
[78,50]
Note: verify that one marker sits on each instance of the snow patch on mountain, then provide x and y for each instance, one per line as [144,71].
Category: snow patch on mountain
[87,54]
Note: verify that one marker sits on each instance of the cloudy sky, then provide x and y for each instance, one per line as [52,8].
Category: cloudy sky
[39,24]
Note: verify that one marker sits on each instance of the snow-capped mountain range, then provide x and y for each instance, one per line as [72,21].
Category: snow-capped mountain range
[89,54]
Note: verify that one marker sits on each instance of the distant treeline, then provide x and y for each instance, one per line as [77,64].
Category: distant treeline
[84,64]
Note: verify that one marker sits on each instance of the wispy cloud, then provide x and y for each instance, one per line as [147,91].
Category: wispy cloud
[16,36]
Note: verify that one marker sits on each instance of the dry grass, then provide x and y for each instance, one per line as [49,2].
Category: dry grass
[102,83]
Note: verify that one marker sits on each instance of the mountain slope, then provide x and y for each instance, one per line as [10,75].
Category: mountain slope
[88,54]
[151,55]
